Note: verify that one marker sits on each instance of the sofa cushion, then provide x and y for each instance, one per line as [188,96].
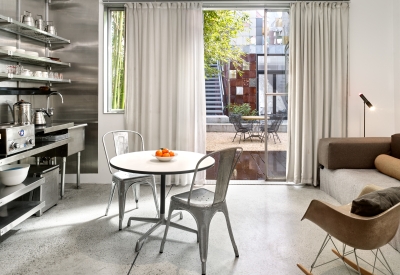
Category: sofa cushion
[388,165]
[395,146]
[351,153]
[376,202]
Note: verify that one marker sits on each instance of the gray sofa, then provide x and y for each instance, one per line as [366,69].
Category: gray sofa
[347,165]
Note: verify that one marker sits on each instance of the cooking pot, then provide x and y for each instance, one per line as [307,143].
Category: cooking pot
[22,112]
[27,19]
[39,118]
[39,23]
[50,28]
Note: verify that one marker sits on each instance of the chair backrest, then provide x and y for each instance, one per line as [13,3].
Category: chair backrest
[227,160]
[121,140]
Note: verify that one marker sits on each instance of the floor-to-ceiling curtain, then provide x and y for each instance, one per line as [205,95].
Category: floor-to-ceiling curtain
[165,98]
[318,83]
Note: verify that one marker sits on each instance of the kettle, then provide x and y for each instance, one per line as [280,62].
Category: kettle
[39,23]
[27,19]
[22,112]
[50,28]
[39,118]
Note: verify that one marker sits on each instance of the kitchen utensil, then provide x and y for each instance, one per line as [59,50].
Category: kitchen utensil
[51,75]
[39,118]
[22,112]
[45,74]
[39,23]
[20,51]
[27,19]
[13,174]
[8,48]
[31,53]
[38,74]
[50,28]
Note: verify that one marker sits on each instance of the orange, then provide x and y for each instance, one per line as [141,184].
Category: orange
[165,150]
[171,153]
[165,155]
[159,153]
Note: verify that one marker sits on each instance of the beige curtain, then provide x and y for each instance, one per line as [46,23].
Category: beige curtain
[165,98]
[318,83]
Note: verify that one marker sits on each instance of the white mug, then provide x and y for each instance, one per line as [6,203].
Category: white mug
[38,74]
[56,76]
[51,75]
[45,74]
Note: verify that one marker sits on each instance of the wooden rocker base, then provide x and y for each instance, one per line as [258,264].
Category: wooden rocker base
[302,268]
[351,263]
[345,259]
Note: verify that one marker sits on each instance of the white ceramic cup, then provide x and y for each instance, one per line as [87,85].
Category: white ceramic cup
[45,74]
[38,74]
[56,76]
[51,75]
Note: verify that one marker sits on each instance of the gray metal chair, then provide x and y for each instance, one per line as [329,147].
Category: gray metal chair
[236,120]
[202,204]
[124,180]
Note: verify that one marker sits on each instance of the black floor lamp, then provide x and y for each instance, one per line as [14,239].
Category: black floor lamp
[366,102]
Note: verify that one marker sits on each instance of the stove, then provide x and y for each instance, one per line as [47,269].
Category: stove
[16,138]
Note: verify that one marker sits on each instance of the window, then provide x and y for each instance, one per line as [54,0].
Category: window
[114,61]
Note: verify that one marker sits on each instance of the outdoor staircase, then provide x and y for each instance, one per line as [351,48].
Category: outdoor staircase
[214,93]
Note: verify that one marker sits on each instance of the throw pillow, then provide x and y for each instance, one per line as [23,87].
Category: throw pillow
[388,165]
[376,202]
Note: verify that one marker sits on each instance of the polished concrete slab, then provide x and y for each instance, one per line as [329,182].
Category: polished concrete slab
[75,237]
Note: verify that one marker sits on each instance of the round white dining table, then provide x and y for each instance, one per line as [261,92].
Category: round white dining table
[145,162]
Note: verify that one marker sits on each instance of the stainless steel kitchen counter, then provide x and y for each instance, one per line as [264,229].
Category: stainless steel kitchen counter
[39,148]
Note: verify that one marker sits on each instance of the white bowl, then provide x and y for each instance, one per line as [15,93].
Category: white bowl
[32,53]
[13,174]
[165,158]
[8,48]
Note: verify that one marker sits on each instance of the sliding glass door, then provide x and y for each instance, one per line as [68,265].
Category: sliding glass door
[273,98]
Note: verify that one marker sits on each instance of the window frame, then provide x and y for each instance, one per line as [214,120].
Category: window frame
[107,62]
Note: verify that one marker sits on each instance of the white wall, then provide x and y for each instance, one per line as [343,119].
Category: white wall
[372,50]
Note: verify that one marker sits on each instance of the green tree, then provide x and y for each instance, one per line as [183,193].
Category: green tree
[220,26]
[118,59]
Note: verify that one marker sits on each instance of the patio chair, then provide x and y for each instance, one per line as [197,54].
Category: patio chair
[358,232]
[236,120]
[125,180]
[203,204]
[273,128]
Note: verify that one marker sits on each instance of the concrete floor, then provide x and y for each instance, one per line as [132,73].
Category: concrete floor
[75,237]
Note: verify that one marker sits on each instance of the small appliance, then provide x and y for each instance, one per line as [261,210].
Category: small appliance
[16,138]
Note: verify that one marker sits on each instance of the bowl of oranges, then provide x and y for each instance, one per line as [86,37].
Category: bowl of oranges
[164,154]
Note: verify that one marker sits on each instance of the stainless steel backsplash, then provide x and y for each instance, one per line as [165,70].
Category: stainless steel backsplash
[77,21]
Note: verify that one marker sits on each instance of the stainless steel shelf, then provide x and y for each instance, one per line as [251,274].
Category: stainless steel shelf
[17,212]
[14,77]
[10,193]
[28,59]
[10,25]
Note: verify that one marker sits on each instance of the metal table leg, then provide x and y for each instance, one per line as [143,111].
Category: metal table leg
[78,170]
[64,160]
[158,221]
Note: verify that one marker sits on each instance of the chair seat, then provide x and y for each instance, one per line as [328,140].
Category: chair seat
[200,197]
[121,175]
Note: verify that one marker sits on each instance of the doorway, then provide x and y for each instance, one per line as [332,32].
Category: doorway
[264,86]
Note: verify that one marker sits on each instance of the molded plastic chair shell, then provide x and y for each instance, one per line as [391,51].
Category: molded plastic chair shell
[202,204]
[366,233]
[122,139]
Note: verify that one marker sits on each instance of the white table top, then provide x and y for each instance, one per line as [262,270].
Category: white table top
[144,162]
[253,117]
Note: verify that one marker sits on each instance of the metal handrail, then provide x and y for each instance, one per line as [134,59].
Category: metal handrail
[221,85]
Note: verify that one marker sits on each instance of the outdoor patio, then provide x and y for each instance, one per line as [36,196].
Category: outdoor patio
[251,165]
